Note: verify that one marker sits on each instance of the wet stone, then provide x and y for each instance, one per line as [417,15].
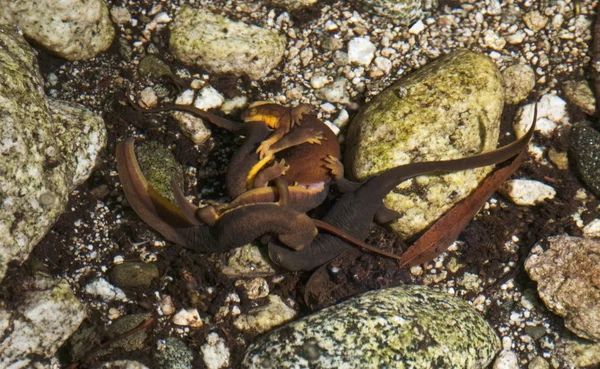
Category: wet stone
[132,275]
[172,353]
[584,155]
[400,11]
[125,324]
[381,329]
[159,165]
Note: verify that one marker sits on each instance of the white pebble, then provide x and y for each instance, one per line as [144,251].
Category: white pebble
[215,353]
[188,317]
[417,28]
[361,51]
[148,98]
[328,107]
[506,360]
[492,40]
[186,98]
[526,192]
[208,98]
[550,107]
[342,119]
[100,287]
[592,229]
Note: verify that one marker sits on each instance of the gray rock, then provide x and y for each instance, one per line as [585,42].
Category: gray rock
[125,324]
[584,156]
[579,353]
[159,167]
[568,276]
[400,11]
[580,94]
[214,42]
[519,81]
[449,109]
[335,92]
[72,29]
[40,323]
[172,353]
[48,148]
[133,275]
[409,326]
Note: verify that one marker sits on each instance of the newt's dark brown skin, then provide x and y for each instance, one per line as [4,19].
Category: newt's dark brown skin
[354,211]
[232,228]
[300,154]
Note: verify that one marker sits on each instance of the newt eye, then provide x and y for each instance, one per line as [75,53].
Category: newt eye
[276,258]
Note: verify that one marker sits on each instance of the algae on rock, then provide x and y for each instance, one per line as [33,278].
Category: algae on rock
[449,109]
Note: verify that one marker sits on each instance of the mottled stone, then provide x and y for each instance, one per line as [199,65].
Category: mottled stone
[125,324]
[448,109]
[580,94]
[526,192]
[214,42]
[246,261]
[48,147]
[584,156]
[409,326]
[579,353]
[266,317]
[215,353]
[292,4]
[159,167]
[568,276]
[133,274]
[400,11]
[172,353]
[519,81]
[71,29]
[36,326]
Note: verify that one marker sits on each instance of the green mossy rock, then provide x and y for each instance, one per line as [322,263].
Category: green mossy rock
[402,327]
[449,109]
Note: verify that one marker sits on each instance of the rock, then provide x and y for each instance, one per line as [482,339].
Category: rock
[188,317]
[48,147]
[215,352]
[568,276]
[293,4]
[559,159]
[208,98]
[519,81]
[100,287]
[535,21]
[538,362]
[34,327]
[526,192]
[579,353]
[192,127]
[335,92]
[265,318]
[361,51]
[552,112]
[246,261]
[154,68]
[592,229]
[437,113]
[535,331]
[580,94]
[172,353]
[123,325]
[148,98]
[402,12]
[71,29]
[159,167]
[214,42]
[123,364]
[506,360]
[494,41]
[255,288]
[133,275]
[120,15]
[408,326]
[584,156]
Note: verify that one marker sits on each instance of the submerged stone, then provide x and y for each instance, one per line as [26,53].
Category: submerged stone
[408,326]
[584,155]
[449,109]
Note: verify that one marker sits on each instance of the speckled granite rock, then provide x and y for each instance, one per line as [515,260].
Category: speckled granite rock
[46,316]
[584,156]
[409,326]
[400,11]
[264,318]
[568,276]
[449,109]
[71,29]
[580,353]
[172,353]
[214,42]
[519,81]
[48,147]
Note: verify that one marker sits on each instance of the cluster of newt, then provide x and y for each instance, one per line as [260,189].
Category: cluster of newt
[283,169]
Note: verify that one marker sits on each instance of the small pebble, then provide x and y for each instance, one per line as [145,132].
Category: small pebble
[188,317]
[592,229]
[215,353]
[535,20]
[361,51]
[148,98]
[208,98]
[525,192]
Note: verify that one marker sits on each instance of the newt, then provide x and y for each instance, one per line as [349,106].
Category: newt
[354,211]
[301,154]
